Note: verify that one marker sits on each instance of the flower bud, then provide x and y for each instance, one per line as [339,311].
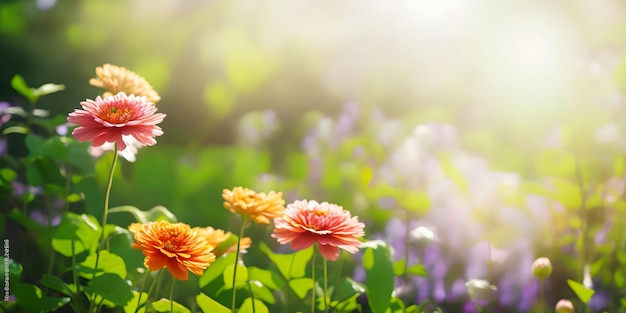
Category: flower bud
[564,306]
[480,291]
[542,268]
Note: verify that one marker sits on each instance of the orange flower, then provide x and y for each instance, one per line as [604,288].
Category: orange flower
[117,79]
[217,238]
[329,225]
[258,207]
[173,246]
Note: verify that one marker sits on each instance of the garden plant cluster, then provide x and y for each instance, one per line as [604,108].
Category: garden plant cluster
[287,253]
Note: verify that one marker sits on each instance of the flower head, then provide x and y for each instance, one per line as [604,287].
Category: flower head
[173,246]
[113,118]
[258,207]
[218,239]
[564,306]
[117,79]
[305,223]
[541,268]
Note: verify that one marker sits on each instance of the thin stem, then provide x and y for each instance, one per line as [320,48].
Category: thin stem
[407,238]
[325,286]
[583,226]
[172,294]
[154,283]
[143,284]
[105,214]
[313,279]
[252,297]
[243,226]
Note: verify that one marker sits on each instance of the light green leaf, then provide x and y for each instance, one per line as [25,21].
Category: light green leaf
[289,265]
[163,305]
[583,293]
[266,277]
[216,269]
[208,305]
[261,292]
[107,263]
[47,89]
[301,286]
[131,306]
[19,84]
[74,235]
[240,280]
[248,307]
[155,214]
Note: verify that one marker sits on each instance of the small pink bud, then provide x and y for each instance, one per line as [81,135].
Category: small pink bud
[542,268]
[564,306]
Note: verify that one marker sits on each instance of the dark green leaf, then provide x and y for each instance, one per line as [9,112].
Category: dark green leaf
[112,288]
[380,276]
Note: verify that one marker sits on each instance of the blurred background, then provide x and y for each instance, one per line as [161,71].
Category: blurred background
[452,115]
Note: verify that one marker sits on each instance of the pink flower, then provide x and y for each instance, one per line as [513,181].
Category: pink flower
[108,119]
[305,223]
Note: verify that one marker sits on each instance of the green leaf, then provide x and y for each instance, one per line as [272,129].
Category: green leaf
[301,286]
[16,130]
[261,292]
[112,288]
[583,293]
[240,280]
[418,269]
[15,268]
[567,193]
[131,306]
[216,269]
[47,89]
[7,174]
[289,265]
[248,307]
[347,289]
[266,277]
[107,263]
[163,305]
[19,84]
[209,305]
[379,281]
[75,234]
[155,214]
[57,284]
[31,299]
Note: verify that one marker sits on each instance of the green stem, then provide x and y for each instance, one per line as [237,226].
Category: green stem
[583,226]
[252,297]
[313,278]
[234,300]
[105,214]
[325,286]
[154,283]
[172,294]
[143,284]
